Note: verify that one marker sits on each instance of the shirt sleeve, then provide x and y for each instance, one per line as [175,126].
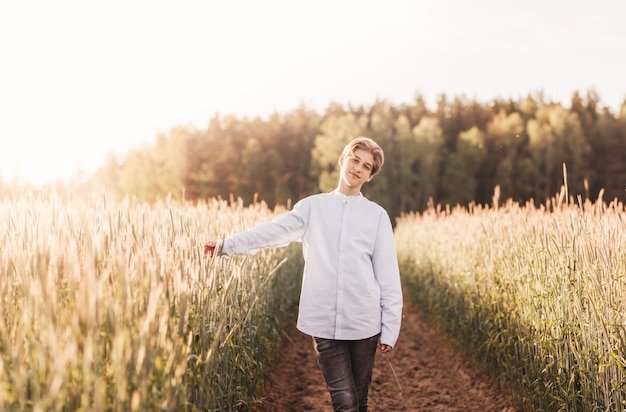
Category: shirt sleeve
[282,230]
[387,272]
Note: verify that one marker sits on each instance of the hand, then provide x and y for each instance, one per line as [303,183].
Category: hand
[210,247]
[384,348]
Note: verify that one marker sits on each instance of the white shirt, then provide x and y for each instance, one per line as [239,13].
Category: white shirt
[351,283]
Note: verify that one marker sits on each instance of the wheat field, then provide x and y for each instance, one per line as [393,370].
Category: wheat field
[537,294]
[113,307]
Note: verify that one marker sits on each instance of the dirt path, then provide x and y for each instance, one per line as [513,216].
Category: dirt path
[433,375]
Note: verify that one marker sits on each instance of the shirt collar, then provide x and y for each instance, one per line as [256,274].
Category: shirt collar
[346,197]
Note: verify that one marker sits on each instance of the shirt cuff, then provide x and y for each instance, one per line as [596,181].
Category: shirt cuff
[220,248]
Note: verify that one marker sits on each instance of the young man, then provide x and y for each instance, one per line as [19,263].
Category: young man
[351,297]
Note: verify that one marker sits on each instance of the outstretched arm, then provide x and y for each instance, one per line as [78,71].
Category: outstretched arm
[282,230]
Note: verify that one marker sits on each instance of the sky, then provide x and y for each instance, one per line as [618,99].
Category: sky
[82,79]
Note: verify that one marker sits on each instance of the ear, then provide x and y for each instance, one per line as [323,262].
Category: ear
[341,159]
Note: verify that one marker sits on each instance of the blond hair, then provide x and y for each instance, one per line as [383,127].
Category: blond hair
[368,145]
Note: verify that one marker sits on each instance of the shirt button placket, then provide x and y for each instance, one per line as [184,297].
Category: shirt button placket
[343,239]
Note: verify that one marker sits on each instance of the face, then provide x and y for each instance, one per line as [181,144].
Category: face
[356,169]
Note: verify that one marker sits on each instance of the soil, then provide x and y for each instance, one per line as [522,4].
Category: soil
[432,376]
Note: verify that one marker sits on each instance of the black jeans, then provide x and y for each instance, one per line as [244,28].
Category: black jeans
[347,367]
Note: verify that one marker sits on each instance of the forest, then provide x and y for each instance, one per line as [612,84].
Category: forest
[456,154]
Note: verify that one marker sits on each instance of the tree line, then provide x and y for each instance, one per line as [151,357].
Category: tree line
[455,154]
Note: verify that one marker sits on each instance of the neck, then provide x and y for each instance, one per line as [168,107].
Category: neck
[348,191]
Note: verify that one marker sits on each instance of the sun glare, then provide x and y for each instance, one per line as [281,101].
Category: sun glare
[76,89]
